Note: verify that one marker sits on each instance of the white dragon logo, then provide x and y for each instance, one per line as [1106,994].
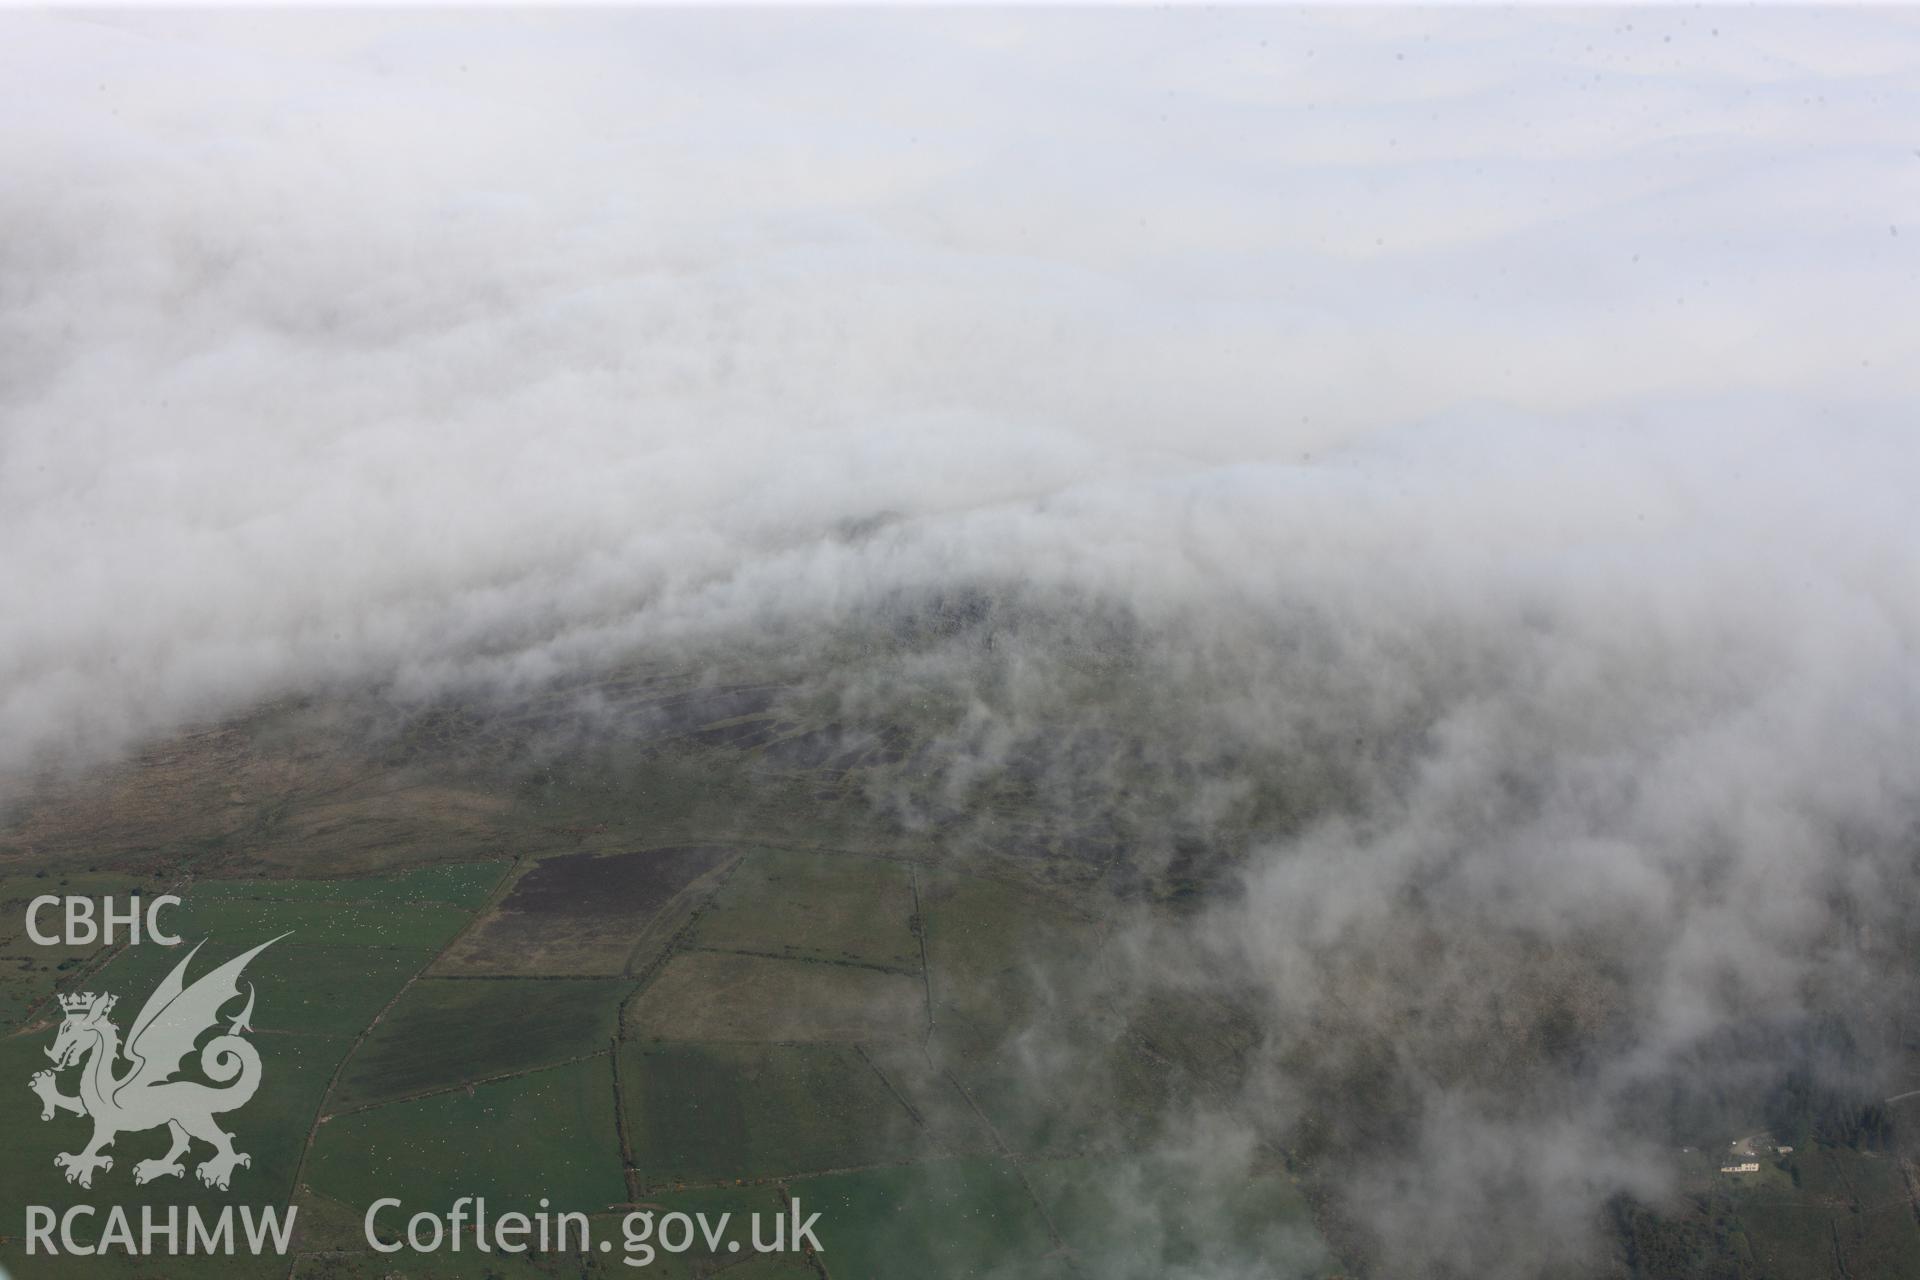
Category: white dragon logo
[145,1096]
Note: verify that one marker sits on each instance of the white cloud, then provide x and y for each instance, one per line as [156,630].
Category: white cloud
[1542,381]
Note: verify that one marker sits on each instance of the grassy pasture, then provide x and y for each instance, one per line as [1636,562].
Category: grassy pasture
[815,906]
[770,1266]
[351,949]
[1849,1217]
[1883,1242]
[300,989]
[946,1218]
[343,958]
[368,825]
[739,1203]
[984,939]
[716,996]
[444,1032]
[118,1266]
[548,1133]
[29,975]
[445,1265]
[271,1128]
[708,1112]
[1790,1241]
[424,927]
[1031,1116]
[458,884]
[29,972]
[1170,1217]
[1871,1179]
[949,1119]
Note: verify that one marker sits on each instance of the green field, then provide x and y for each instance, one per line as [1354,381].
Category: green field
[986,941]
[635,982]
[784,1039]
[815,906]
[294,1075]
[949,1218]
[360,922]
[459,884]
[29,972]
[700,1113]
[440,1266]
[515,1140]
[1821,1213]
[717,995]
[303,989]
[1165,1216]
[443,1032]
[936,1100]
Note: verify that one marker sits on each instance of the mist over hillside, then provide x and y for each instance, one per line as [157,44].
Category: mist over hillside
[1406,516]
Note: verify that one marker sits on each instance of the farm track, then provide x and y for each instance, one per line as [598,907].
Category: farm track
[321,1115]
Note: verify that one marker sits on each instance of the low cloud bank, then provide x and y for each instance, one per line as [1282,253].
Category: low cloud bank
[339,346]
[1464,461]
